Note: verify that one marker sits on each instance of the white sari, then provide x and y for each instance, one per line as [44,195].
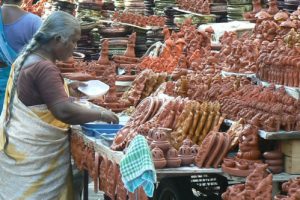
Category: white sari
[38,165]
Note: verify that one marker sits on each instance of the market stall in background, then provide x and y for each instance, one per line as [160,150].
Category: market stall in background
[213,86]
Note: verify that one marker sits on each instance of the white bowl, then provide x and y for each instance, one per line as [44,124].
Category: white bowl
[94,89]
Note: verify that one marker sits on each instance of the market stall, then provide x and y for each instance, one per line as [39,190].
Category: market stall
[218,104]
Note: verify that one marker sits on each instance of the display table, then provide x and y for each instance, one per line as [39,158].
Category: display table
[171,172]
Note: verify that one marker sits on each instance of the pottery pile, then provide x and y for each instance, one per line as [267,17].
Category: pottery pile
[212,150]
[119,5]
[281,114]
[219,8]
[153,36]
[274,159]
[105,173]
[201,7]
[166,156]
[290,5]
[161,5]
[291,190]
[236,9]
[249,154]
[149,7]
[258,185]
[134,6]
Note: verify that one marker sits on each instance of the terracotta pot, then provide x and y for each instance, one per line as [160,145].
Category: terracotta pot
[272,155]
[158,158]
[278,162]
[276,169]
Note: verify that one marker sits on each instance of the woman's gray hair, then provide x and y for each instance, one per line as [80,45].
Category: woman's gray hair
[58,24]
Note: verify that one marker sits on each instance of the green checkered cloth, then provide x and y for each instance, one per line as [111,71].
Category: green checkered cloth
[137,168]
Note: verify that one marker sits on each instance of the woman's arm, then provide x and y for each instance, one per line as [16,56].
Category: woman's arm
[71,113]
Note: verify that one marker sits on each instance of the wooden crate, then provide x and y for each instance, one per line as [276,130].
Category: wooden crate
[292,165]
[291,148]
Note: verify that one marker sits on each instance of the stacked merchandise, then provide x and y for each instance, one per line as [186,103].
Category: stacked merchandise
[161,5]
[108,5]
[134,6]
[291,5]
[89,43]
[219,8]
[49,7]
[170,13]
[140,47]
[236,9]
[119,4]
[153,36]
[149,5]
[69,7]
[89,12]
[117,37]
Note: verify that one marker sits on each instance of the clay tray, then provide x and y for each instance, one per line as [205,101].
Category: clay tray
[279,135]
[250,75]
[292,91]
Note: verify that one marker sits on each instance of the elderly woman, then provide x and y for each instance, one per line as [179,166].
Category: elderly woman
[34,145]
[13,19]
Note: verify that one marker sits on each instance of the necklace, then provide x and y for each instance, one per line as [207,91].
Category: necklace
[42,56]
[11,5]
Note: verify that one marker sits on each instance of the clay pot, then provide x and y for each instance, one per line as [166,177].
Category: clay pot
[172,158]
[160,140]
[272,155]
[278,162]
[276,169]
[185,154]
[158,158]
[187,142]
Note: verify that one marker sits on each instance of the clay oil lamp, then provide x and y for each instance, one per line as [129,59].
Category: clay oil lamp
[158,158]
[160,140]
[172,158]
[185,154]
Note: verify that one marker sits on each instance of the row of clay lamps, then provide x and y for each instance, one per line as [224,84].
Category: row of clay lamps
[164,155]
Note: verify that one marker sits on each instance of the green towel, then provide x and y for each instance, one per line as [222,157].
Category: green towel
[137,168]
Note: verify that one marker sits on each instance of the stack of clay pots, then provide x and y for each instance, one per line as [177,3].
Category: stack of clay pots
[274,159]
[219,8]
[134,6]
[149,5]
[164,155]
[236,9]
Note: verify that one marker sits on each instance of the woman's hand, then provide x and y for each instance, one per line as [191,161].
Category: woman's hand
[109,117]
[73,88]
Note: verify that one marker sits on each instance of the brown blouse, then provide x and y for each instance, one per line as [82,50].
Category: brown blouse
[41,83]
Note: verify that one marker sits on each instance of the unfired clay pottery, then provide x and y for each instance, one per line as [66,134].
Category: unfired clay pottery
[185,154]
[158,158]
[172,158]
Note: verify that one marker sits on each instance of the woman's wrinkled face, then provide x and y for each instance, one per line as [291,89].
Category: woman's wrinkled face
[65,50]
